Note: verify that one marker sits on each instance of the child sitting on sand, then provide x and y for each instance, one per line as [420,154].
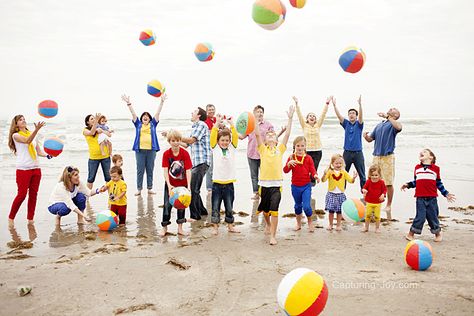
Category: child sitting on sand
[303,171]
[374,192]
[427,180]
[336,177]
[117,194]
[103,138]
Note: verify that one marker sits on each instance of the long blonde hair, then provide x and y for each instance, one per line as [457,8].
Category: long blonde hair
[67,175]
[14,129]
[334,158]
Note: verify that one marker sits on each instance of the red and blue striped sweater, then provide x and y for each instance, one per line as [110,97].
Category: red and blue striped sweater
[427,180]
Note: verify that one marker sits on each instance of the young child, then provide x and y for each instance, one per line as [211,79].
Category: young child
[336,177]
[303,171]
[271,176]
[374,192]
[427,180]
[117,194]
[117,160]
[103,138]
[70,194]
[223,145]
[177,172]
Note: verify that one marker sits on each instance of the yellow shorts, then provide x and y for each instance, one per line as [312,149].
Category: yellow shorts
[269,213]
[387,166]
[370,209]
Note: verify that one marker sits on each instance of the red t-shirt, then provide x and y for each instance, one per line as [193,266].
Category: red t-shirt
[177,166]
[301,172]
[210,122]
[375,190]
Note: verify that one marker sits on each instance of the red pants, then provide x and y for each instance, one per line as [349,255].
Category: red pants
[121,211]
[28,181]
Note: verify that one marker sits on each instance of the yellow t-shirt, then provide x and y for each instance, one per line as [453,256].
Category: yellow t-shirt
[94,148]
[117,188]
[271,165]
[145,137]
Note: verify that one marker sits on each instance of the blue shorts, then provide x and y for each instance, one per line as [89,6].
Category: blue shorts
[61,208]
[334,202]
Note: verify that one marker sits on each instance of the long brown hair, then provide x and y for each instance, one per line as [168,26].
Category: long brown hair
[14,129]
[66,176]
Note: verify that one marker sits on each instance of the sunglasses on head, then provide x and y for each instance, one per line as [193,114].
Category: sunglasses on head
[70,169]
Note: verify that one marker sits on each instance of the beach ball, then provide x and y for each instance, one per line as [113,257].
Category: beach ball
[298,3]
[419,255]
[302,292]
[107,220]
[48,108]
[180,197]
[352,60]
[147,37]
[155,88]
[245,123]
[204,52]
[353,210]
[269,14]
[53,146]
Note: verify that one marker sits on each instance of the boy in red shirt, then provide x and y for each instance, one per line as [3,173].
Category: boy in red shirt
[374,192]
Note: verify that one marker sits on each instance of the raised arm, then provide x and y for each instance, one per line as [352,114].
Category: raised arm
[29,139]
[160,107]
[256,131]
[291,111]
[338,114]
[126,99]
[233,131]
[396,124]
[361,118]
[298,112]
[323,113]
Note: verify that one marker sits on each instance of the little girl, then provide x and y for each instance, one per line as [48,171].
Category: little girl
[427,180]
[117,194]
[103,138]
[374,192]
[70,194]
[303,171]
[337,177]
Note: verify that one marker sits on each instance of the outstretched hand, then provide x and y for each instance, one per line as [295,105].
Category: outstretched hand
[354,175]
[404,187]
[126,98]
[332,99]
[39,125]
[291,111]
[296,100]
[164,96]
[382,115]
[451,197]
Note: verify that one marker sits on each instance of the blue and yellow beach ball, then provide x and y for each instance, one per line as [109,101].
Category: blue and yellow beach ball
[147,37]
[352,59]
[107,220]
[155,88]
[245,123]
[204,52]
[419,255]
[353,210]
[53,146]
[269,14]
[180,197]
[298,3]
[48,108]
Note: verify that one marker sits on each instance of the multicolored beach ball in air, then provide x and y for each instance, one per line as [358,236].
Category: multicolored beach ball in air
[155,88]
[204,52]
[269,14]
[298,3]
[180,197]
[48,108]
[245,123]
[352,59]
[302,292]
[147,37]
[53,146]
[353,210]
[419,255]
[107,220]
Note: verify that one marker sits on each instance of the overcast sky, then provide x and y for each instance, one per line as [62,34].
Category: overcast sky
[85,54]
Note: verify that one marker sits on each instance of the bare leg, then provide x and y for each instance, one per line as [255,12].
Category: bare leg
[331,221]
[339,218]
[298,222]
[11,223]
[377,226]
[273,229]
[310,224]
[58,220]
[266,217]
[164,231]
[181,231]
[215,229]
[388,207]
[366,225]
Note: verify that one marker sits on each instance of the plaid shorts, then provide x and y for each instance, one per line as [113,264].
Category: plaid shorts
[334,202]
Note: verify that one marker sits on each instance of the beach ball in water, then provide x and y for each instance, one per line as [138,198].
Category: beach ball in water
[269,14]
[352,59]
[147,37]
[245,123]
[302,292]
[353,210]
[107,220]
[298,3]
[180,197]
[48,108]
[155,88]
[53,146]
[204,52]
[419,255]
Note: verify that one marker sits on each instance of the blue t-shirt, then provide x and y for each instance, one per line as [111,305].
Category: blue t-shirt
[384,136]
[352,135]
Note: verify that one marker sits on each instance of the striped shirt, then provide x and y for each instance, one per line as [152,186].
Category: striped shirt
[427,180]
[200,149]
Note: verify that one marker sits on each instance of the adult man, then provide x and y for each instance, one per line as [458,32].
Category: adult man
[210,121]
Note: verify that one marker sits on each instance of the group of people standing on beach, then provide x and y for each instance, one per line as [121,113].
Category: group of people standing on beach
[213,141]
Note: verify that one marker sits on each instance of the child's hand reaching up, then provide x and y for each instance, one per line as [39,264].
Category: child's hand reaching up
[451,197]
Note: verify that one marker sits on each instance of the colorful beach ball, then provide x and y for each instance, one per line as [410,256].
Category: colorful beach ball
[48,108]
[180,197]
[147,37]
[245,123]
[352,59]
[302,292]
[53,146]
[419,255]
[298,3]
[155,88]
[204,52]
[107,220]
[353,210]
[269,14]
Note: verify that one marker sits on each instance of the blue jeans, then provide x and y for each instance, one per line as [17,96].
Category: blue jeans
[209,176]
[61,208]
[197,176]
[426,209]
[302,197]
[356,158]
[222,192]
[254,165]
[145,161]
[93,166]
[167,207]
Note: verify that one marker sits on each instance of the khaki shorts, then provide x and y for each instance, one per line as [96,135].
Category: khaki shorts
[387,165]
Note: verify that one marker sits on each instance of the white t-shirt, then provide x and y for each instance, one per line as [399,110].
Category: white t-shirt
[62,195]
[23,157]
[223,160]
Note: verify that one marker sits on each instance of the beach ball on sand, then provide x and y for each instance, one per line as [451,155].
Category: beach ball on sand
[53,146]
[48,108]
[353,210]
[298,3]
[180,197]
[204,52]
[147,37]
[107,220]
[302,292]
[269,14]
[419,255]
[352,59]
[155,88]
[245,123]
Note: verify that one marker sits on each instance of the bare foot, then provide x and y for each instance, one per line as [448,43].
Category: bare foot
[364,230]
[438,238]
[311,228]
[215,230]
[163,232]
[409,237]
[11,223]
[297,228]
[273,241]
[87,218]
[138,193]
[81,222]
[190,220]
[338,228]
[329,228]
[231,229]
[151,192]
[378,231]
[267,230]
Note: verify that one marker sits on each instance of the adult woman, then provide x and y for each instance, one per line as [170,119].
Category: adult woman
[28,173]
[145,144]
